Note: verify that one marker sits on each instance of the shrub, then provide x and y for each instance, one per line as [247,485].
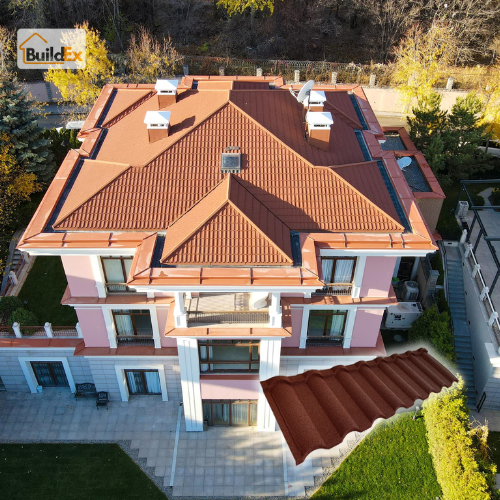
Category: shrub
[495,197]
[23,317]
[8,305]
[460,462]
[441,302]
[449,228]
[435,328]
[478,200]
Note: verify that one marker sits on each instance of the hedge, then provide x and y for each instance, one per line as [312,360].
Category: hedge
[461,463]
[435,328]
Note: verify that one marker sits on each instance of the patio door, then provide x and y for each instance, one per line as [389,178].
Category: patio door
[143,381]
[50,373]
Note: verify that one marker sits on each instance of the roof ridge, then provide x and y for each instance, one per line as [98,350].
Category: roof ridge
[374,205]
[259,229]
[121,114]
[63,215]
[170,251]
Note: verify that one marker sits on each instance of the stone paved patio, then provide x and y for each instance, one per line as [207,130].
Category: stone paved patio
[224,461]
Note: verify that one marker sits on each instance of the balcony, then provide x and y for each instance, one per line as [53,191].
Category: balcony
[134,340]
[119,288]
[335,289]
[324,341]
[224,309]
[46,331]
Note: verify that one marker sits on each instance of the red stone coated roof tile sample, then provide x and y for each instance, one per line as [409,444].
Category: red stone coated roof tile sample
[317,409]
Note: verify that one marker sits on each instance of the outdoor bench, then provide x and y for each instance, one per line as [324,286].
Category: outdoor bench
[86,390]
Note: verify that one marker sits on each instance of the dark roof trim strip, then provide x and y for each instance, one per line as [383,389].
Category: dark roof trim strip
[317,409]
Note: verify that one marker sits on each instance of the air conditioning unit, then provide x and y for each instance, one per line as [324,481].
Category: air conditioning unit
[402,315]
[410,291]
[462,209]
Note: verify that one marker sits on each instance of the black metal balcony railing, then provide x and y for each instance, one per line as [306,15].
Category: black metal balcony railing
[324,341]
[135,340]
[223,317]
[344,289]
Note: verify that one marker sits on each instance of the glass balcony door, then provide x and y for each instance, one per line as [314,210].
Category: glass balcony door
[326,327]
[50,374]
[143,381]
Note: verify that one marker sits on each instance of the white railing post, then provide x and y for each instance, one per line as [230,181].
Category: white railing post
[468,249]
[493,318]
[484,292]
[48,330]
[17,330]
[464,236]
[476,269]
[79,330]
[13,277]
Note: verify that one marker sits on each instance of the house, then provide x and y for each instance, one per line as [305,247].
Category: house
[216,232]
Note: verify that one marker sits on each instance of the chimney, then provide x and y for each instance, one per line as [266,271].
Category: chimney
[158,123]
[318,129]
[166,90]
[315,101]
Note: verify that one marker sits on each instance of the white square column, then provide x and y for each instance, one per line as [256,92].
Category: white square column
[270,352]
[180,315]
[358,276]
[189,364]
[275,319]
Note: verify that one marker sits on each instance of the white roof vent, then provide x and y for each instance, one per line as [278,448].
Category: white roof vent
[316,97]
[166,87]
[320,120]
[157,119]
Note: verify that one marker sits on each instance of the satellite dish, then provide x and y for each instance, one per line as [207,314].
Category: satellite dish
[305,91]
[404,162]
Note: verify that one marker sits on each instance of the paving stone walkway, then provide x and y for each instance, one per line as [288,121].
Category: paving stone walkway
[219,462]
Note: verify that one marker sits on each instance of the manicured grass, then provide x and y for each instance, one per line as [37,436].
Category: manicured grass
[72,471]
[44,288]
[392,463]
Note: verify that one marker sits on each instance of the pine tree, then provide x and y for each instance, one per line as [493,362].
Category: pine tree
[427,121]
[18,120]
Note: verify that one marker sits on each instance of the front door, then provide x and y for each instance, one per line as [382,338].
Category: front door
[143,381]
[50,373]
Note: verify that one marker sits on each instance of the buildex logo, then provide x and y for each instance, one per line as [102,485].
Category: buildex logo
[51,49]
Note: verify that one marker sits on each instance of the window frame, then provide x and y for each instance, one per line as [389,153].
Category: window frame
[121,258]
[326,313]
[229,343]
[142,371]
[230,402]
[50,368]
[335,259]
[121,312]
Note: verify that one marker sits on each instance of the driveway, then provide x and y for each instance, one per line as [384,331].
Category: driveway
[221,461]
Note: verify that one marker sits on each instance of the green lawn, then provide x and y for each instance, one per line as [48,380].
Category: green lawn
[72,471]
[392,463]
[44,288]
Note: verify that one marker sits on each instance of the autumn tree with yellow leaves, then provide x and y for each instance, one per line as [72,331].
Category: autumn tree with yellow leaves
[239,6]
[421,59]
[491,99]
[82,86]
[149,59]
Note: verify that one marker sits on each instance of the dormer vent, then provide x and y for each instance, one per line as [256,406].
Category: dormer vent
[158,123]
[166,90]
[230,163]
[318,129]
[315,101]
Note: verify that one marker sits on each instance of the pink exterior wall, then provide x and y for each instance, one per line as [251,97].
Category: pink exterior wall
[366,327]
[93,327]
[162,313]
[225,388]
[80,276]
[294,340]
[377,277]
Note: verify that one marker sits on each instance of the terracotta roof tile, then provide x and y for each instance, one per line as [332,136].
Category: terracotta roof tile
[317,409]
[228,226]
[152,197]
[122,100]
